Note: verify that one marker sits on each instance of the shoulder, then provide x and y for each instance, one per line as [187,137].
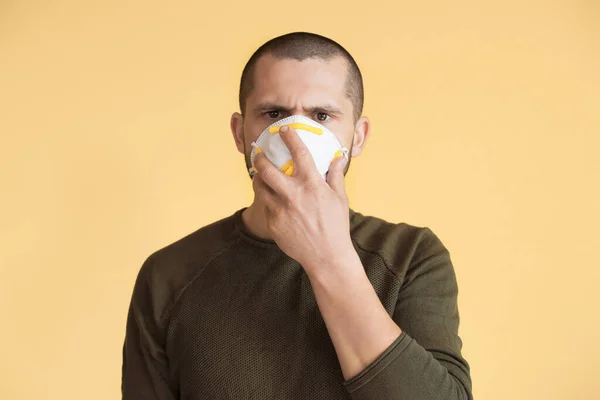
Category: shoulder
[166,272]
[400,245]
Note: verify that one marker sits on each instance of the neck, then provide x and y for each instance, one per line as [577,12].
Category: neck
[254,220]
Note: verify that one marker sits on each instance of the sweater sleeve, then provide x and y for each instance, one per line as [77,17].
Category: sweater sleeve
[425,361]
[145,368]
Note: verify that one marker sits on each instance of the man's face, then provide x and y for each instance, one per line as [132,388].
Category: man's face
[313,88]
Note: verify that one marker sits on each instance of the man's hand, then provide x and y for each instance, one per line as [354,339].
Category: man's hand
[307,217]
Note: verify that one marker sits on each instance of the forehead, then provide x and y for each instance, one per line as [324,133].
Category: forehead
[290,81]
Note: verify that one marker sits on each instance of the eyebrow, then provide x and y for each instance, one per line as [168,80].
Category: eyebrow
[269,106]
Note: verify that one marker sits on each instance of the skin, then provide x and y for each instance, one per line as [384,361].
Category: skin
[283,87]
[306,216]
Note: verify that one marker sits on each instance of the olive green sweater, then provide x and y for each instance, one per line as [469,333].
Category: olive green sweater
[223,314]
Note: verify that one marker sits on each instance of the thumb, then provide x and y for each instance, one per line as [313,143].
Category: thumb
[335,175]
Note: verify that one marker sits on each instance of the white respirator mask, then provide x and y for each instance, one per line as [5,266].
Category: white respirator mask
[320,141]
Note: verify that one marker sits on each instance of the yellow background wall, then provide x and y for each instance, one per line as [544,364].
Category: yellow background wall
[115,141]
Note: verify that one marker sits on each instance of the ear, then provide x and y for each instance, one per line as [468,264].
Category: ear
[237,128]
[361,133]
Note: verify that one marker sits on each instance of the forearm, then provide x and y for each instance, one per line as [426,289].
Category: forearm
[358,324]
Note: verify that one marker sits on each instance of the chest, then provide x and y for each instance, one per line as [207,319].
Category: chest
[257,333]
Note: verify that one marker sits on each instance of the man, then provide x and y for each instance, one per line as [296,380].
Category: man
[297,296]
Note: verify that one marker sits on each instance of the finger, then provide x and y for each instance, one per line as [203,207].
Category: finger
[270,174]
[335,175]
[302,159]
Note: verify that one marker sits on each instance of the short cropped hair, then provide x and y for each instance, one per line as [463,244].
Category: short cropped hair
[300,46]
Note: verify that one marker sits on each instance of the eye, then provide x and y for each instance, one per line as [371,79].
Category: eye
[273,114]
[322,116]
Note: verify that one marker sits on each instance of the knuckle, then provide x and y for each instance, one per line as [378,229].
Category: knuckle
[312,182]
[267,174]
[302,152]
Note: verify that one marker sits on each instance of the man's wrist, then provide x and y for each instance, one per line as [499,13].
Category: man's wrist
[345,262]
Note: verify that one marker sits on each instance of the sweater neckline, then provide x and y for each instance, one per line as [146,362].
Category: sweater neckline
[251,238]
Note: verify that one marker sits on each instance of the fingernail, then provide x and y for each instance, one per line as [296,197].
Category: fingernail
[284,129]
